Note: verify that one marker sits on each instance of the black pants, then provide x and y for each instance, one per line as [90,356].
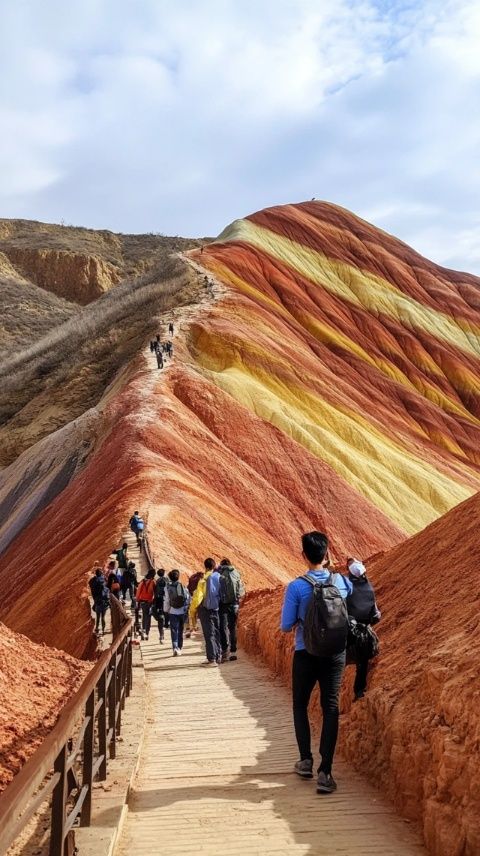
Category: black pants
[360,684]
[146,609]
[306,672]
[128,588]
[161,624]
[228,615]
[211,632]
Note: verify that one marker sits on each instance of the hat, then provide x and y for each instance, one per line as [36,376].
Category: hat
[357,569]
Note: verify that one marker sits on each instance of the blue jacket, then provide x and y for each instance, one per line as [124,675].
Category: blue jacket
[212,592]
[295,602]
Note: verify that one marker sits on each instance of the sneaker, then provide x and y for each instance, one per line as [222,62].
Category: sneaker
[304,768]
[224,657]
[326,784]
[210,663]
[175,652]
[161,641]
[146,636]
[179,652]
[233,657]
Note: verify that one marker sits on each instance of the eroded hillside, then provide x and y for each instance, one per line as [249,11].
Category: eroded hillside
[324,376]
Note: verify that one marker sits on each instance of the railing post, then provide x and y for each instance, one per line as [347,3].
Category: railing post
[129,666]
[59,801]
[118,723]
[102,725]
[112,698]
[87,774]
[124,672]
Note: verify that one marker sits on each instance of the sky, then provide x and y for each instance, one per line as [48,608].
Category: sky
[179,117]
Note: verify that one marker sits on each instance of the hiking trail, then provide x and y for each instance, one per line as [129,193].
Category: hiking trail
[215,772]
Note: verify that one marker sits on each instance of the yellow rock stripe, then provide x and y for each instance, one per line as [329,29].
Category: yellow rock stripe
[365,290]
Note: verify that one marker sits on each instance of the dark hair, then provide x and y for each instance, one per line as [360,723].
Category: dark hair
[124,546]
[98,572]
[209,564]
[174,575]
[315,546]
[150,574]
[225,562]
[161,572]
[135,512]
[131,565]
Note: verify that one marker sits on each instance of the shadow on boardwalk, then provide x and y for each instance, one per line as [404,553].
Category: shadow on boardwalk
[216,773]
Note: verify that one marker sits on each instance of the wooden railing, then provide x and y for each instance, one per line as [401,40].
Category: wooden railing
[74,754]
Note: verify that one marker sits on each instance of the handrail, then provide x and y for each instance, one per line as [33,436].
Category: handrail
[148,553]
[55,753]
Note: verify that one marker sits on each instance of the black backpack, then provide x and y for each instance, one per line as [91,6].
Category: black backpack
[176,594]
[325,627]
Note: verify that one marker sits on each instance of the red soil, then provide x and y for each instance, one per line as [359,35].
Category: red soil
[417,732]
[44,676]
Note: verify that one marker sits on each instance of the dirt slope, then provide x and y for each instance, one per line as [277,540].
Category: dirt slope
[47,678]
[417,732]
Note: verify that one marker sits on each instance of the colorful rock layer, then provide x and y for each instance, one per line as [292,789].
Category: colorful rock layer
[358,349]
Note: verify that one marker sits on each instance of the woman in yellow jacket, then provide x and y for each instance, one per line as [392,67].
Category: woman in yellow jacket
[199,593]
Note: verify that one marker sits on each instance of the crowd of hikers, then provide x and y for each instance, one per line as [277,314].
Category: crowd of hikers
[162,349]
[331,613]
[210,597]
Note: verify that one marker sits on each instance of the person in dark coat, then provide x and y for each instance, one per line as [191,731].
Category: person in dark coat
[100,598]
[361,606]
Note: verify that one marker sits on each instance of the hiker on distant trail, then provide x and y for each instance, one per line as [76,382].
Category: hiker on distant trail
[158,611]
[113,579]
[145,598]
[170,349]
[101,600]
[206,602]
[121,556]
[153,345]
[315,605]
[175,604]
[170,328]
[133,522]
[129,582]
[231,592]
[159,359]
[362,608]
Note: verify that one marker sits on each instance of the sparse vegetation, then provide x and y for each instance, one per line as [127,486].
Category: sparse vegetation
[28,313]
[66,372]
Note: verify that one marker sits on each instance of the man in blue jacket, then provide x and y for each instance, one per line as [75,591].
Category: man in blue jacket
[308,670]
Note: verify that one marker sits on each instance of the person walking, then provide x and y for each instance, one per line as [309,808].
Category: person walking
[192,584]
[121,556]
[206,602]
[159,611]
[170,328]
[175,603]
[145,597]
[159,356]
[362,607]
[129,582]
[133,522]
[114,579]
[315,606]
[101,599]
[231,592]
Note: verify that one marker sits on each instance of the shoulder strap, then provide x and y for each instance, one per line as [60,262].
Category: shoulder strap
[308,579]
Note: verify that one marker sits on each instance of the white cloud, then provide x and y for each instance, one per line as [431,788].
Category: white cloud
[181,117]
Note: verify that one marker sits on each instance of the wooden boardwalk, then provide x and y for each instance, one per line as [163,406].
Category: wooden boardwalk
[215,773]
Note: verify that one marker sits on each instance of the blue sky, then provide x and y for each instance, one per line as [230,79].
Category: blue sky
[148,115]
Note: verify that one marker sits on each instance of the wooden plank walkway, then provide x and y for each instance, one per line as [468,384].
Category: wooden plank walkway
[215,773]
